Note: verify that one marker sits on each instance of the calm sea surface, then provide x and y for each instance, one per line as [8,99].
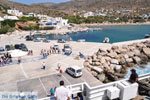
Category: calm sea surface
[115,34]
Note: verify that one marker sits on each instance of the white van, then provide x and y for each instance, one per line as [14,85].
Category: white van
[74,71]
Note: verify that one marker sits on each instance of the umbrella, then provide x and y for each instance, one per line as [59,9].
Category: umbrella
[17,53]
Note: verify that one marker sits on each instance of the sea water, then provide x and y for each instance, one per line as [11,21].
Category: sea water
[145,69]
[114,33]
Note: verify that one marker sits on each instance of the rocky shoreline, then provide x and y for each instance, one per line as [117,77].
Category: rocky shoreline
[111,64]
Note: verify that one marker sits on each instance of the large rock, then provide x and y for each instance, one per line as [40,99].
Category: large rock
[129,64]
[126,56]
[122,61]
[94,73]
[99,56]
[137,52]
[144,58]
[86,64]
[117,68]
[130,54]
[114,47]
[146,51]
[114,61]
[97,69]
[129,60]
[136,60]
[123,51]
[101,77]
[103,60]
[97,63]
[112,55]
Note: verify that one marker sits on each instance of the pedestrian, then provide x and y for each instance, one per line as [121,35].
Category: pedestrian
[58,66]
[61,71]
[31,52]
[134,76]
[19,60]
[62,93]
[44,65]
[52,91]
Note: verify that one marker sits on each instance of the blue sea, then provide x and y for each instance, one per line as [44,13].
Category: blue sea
[115,34]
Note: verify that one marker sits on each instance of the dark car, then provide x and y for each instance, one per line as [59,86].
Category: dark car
[23,47]
[17,46]
[7,47]
[61,41]
[29,38]
[2,50]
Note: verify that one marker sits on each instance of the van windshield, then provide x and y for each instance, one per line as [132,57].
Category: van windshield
[78,71]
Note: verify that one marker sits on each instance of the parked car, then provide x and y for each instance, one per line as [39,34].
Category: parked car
[67,49]
[23,47]
[37,40]
[17,46]
[46,41]
[74,71]
[2,51]
[29,38]
[7,47]
[61,41]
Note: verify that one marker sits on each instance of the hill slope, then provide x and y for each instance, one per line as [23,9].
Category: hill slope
[32,8]
[96,4]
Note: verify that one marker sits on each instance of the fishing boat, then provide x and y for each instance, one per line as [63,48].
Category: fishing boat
[147,35]
[106,40]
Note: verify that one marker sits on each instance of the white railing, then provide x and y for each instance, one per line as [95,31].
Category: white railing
[97,92]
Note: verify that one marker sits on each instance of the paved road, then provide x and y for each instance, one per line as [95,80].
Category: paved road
[42,85]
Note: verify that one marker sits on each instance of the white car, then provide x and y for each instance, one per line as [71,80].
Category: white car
[74,71]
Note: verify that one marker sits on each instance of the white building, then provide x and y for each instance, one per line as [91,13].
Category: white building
[11,17]
[88,14]
[57,22]
[15,12]
[1,19]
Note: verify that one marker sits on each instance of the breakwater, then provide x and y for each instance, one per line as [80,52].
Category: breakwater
[111,64]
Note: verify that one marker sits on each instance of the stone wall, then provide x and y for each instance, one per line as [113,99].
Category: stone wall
[109,65]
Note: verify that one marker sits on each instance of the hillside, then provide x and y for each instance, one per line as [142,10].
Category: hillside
[47,4]
[32,8]
[96,4]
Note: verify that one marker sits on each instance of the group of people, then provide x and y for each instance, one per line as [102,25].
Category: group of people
[5,59]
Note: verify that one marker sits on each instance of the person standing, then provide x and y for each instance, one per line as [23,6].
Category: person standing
[44,65]
[134,76]
[58,66]
[62,93]
[52,91]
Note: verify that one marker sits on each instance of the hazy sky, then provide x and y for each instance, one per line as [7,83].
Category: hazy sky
[38,1]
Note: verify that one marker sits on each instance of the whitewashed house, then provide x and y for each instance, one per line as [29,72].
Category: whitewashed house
[30,15]
[1,19]
[15,12]
[57,22]
[88,14]
[11,17]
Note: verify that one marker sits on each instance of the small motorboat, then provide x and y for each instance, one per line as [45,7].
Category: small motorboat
[106,40]
[81,40]
[147,35]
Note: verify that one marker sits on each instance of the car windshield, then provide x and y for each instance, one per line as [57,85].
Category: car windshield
[79,70]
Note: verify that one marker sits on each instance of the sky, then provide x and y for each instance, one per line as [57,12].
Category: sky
[38,1]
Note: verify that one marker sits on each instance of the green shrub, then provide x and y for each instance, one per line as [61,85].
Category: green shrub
[29,19]
[46,28]
[8,22]
[4,29]
[36,27]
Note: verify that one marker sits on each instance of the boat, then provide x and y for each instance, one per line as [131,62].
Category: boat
[81,40]
[106,40]
[147,35]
